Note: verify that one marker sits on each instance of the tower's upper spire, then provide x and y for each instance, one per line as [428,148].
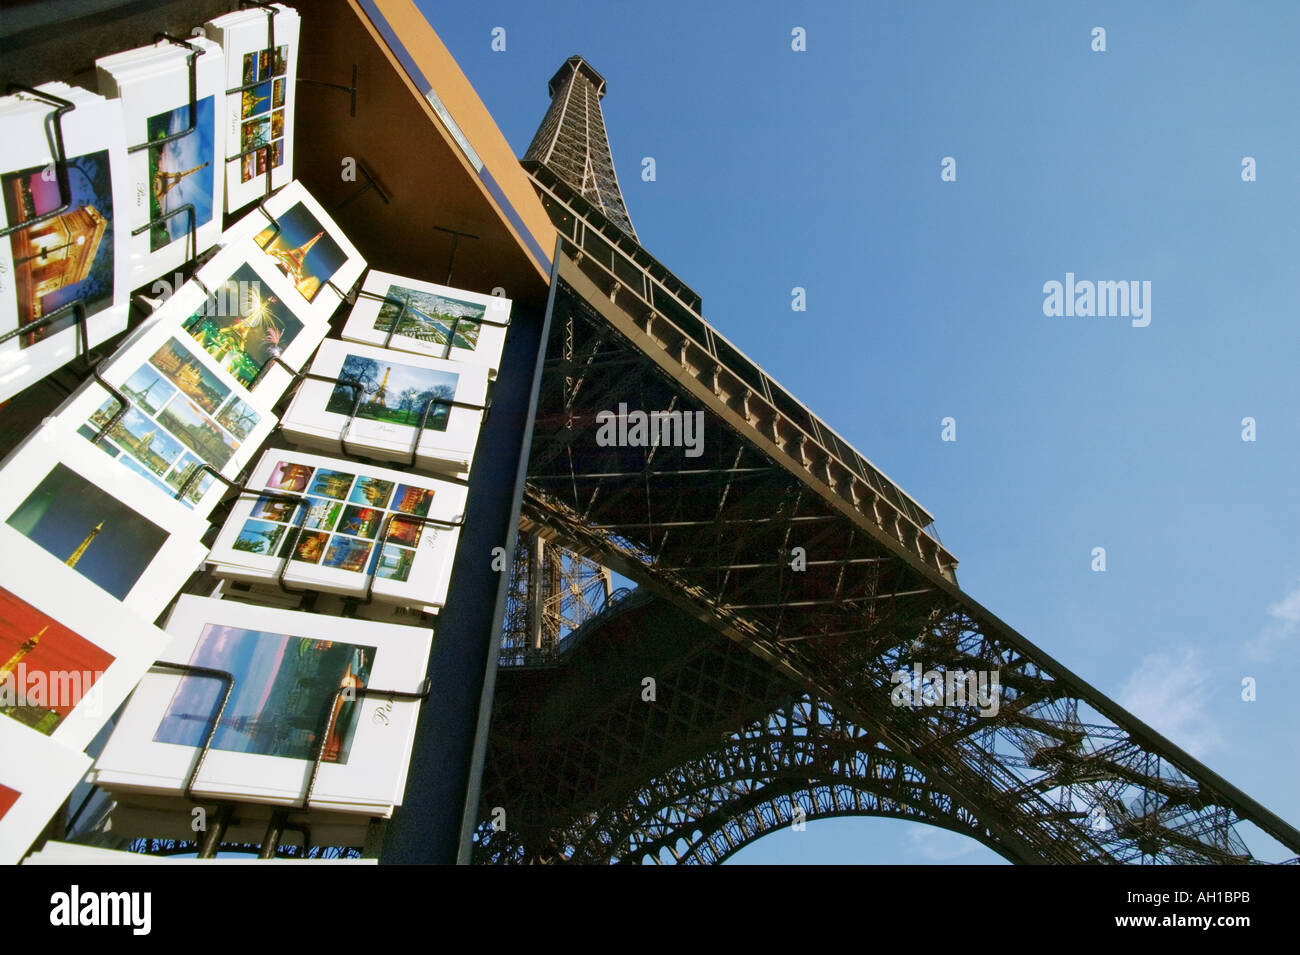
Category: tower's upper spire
[572,142]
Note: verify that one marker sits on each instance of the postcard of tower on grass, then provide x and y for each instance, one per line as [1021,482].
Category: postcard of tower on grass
[398,406]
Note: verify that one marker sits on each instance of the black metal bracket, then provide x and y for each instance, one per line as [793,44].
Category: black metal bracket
[290,543]
[424,419]
[194,53]
[455,322]
[275,829]
[455,238]
[355,693]
[350,90]
[358,392]
[371,183]
[392,326]
[193,248]
[273,359]
[77,308]
[382,540]
[54,133]
[123,402]
[228,686]
[203,468]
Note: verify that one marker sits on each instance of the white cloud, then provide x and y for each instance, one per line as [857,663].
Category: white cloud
[1170,695]
[939,845]
[1284,626]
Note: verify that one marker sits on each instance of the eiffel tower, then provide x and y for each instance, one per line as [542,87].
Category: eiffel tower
[771,683]
[25,648]
[292,260]
[572,141]
[381,393]
[165,182]
[80,552]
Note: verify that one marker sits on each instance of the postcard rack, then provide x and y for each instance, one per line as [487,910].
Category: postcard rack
[225,808]
[77,310]
[372,182]
[124,403]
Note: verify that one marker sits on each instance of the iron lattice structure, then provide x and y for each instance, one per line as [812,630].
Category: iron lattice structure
[770,701]
[552,592]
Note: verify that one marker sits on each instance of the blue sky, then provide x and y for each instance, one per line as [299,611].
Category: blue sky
[183,154]
[821,169]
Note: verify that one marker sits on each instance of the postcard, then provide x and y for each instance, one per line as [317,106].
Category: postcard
[252,318]
[260,112]
[64,506]
[183,171]
[374,401]
[185,410]
[294,696]
[343,527]
[297,240]
[70,247]
[70,653]
[36,776]
[410,315]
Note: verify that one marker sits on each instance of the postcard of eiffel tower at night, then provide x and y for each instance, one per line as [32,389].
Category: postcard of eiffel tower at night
[840,433]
